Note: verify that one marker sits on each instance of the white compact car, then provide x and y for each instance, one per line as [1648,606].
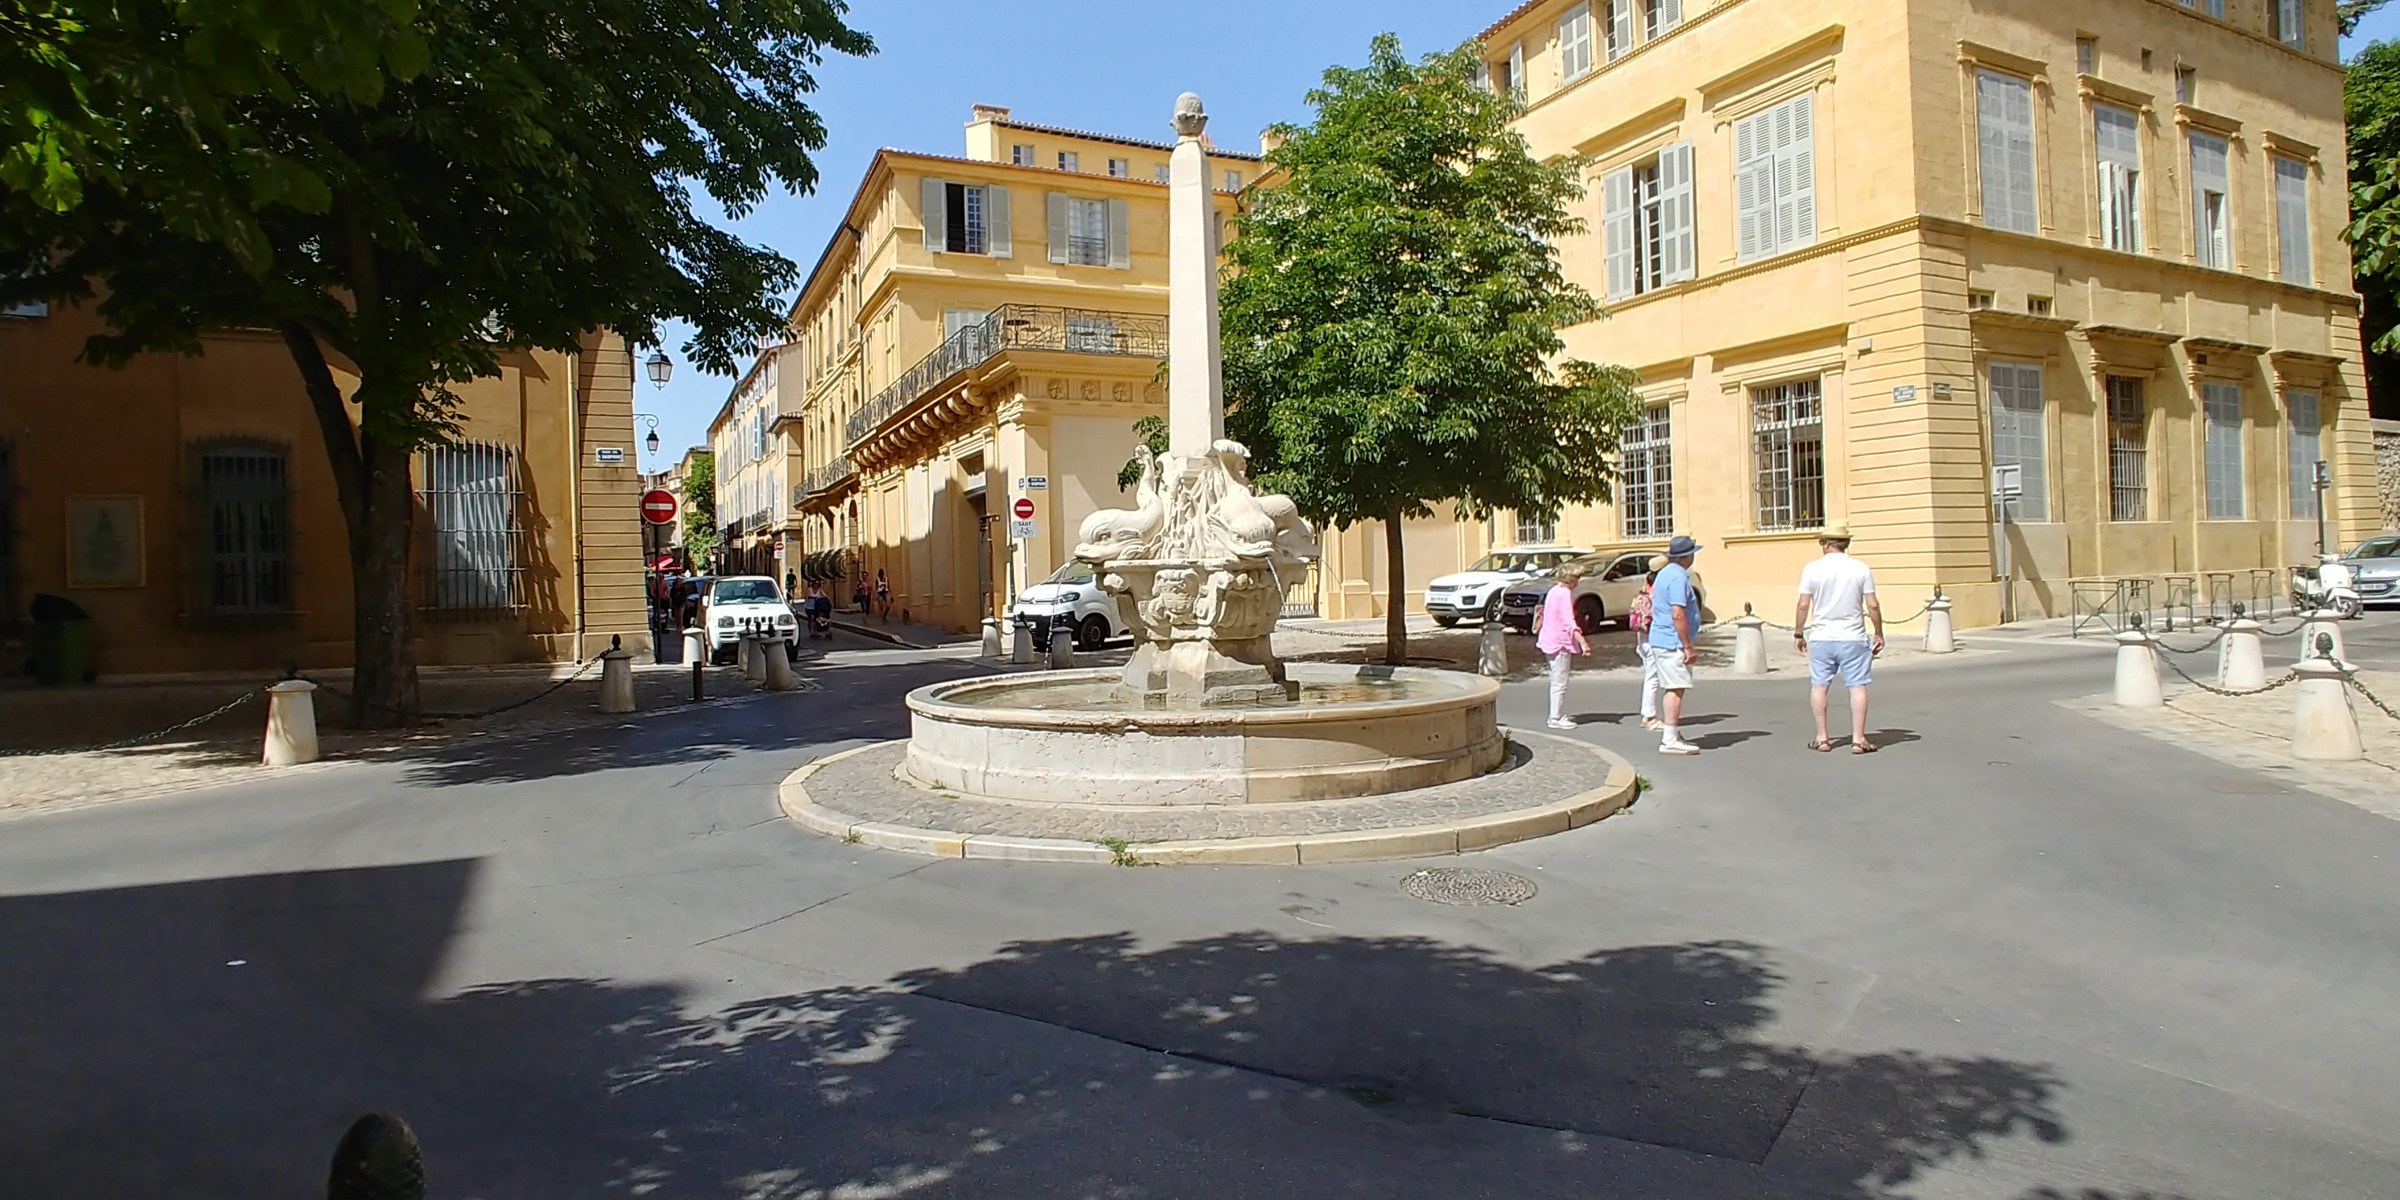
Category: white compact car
[736,601]
[1474,594]
[1074,592]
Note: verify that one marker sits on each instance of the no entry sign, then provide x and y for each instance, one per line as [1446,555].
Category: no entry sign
[1023,508]
[658,506]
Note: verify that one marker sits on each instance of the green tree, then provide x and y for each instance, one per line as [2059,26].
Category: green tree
[700,511]
[2348,13]
[2371,105]
[504,174]
[1391,313]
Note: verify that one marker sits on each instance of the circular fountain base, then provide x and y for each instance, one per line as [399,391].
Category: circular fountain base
[1068,736]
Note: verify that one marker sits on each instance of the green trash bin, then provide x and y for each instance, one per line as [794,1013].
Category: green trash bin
[59,644]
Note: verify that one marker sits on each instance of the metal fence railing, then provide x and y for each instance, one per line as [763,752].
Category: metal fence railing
[1013,327]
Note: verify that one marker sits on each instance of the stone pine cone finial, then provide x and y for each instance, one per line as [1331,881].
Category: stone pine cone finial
[1190,118]
[377,1160]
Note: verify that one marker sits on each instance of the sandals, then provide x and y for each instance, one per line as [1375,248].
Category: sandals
[1824,746]
[1859,747]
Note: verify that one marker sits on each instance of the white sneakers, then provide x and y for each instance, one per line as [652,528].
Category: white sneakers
[1677,746]
[1561,723]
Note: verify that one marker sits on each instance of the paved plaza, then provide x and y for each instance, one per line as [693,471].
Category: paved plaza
[2021,953]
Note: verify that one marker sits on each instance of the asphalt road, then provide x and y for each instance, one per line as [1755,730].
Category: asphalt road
[2015,955]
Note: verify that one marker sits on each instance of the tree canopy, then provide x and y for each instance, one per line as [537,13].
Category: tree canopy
[700,512]
[2371,103]
[410,187]
[1392,311]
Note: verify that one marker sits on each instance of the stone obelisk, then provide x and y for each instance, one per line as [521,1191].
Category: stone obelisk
[1195,376]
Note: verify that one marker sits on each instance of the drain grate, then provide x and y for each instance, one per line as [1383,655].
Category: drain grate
[1467,886]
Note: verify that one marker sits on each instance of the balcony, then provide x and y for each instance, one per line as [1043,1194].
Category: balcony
[823,479]
[1014,327]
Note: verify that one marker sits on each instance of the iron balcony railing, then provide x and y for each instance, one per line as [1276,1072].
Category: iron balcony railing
[823,479]
[1014,327]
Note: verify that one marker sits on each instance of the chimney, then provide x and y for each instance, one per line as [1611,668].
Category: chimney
[1270,140]
[990,112]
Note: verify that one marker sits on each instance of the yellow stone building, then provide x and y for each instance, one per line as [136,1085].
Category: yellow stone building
[1875,259]
[981,330]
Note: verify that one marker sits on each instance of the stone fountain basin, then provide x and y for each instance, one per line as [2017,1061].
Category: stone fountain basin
[969,737]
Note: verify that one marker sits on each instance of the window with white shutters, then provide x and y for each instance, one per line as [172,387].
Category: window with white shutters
[966,219]
[2291,221]
[2117,134]
[1119,168]
[1575,43]
[1775,179]
[1647,223]
[1021,154]
[2004,139]
[2285,16]
[2221,407]
[1646,475]
[1619,15]
[2020,434]
[1233,181]
[1787,448]
[1069,160]
[1516,71]
[2128,450]
[472,502]
[1661,16]
[2305,446]
[1089,233]
[2211,183]
[1165,174]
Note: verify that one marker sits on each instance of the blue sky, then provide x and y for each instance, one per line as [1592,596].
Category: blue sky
[1113,68]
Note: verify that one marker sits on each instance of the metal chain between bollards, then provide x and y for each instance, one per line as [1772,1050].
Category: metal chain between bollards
[141,739]
[2351,677]
[2213,689]
[436,715]
[2202,648]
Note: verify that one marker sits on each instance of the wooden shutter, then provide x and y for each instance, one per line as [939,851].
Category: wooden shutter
[1516,70]
[1675,212]
[1794,223]
[1670,15]
[2115,134]
[1753,187]
[995,223]
[1058,227]
[1616,225]
[2004,145]
[1620,28]
[1120,234]
[937,215]
[2209,174]
[1483,75]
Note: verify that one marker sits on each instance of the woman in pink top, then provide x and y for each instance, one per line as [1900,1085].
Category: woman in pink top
[1557,634]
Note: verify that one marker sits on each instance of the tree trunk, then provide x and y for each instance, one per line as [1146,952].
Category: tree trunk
[1395,608]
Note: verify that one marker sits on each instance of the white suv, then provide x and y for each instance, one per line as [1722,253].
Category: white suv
[1474,594]
[739,601]
[1073,592]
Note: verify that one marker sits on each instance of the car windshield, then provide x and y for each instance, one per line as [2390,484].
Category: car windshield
[1074,572]
[1499,562]
[2383,547]
[746,591]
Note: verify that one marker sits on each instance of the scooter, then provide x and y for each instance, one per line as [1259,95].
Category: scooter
[2328,585]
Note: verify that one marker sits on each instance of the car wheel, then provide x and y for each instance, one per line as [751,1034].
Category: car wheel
[1092,634]
[1446,622]
[1491,608]
[722,656]
[1590,614]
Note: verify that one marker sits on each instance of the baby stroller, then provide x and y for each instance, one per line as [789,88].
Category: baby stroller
[817,613]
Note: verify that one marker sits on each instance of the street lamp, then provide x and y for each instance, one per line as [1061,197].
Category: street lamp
[651,442]
[661,367]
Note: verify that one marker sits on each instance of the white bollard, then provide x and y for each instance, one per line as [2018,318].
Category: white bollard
[1750,645]
[291,724]
[2324,725]
[1062,648]
[2137,671]
[2241,660]
[778,663]
[1491,653]
[991,637]
[616,681]
[695,646]
[2323,623]
[1939,639]
[751,663]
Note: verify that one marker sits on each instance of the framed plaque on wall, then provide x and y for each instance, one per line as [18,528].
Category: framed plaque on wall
[104,541]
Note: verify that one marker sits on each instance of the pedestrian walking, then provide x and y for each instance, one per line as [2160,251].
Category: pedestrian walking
[1668,650]
[883,596]
[1557,634]
[1839,625]
[1637,619]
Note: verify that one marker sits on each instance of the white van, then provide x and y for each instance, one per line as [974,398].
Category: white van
[1075,591]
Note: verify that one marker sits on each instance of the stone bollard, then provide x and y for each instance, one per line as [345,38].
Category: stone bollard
[2137,671]
[1938,636]
[2241,661]
[751,663]
[1749,643]
[2324,725]
[1062,649]
[2321,624]
[695,646]
[1491,654]
[991,637]
[778,664]
[1020,645]
[291,724]
[616,679]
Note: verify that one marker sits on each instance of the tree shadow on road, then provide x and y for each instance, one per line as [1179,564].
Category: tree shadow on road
[1240,1064]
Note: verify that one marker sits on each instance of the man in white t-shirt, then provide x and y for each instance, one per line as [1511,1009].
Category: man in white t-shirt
[1832,626]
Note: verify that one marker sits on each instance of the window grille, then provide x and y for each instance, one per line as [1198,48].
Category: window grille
[1534,531]
[2128,451]
[473,499]
[2306,446]
[1787,440]
[1646,470]
[2221,405]
[1087,233]
[245,530]
[2020,435]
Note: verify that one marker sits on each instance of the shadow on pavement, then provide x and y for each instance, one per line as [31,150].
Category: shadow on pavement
[145,1061]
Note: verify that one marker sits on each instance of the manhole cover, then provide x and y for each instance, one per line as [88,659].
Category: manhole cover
[1468,885]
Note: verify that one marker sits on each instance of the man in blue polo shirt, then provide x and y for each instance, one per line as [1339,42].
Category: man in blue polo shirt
[1668,651]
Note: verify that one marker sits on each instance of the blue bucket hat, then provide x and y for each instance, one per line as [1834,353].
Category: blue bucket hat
[1681,547]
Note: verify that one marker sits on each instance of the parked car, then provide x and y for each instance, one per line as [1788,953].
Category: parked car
[1073,591]
[1474,594]
[735,601]
[2375,569]
[1611,580]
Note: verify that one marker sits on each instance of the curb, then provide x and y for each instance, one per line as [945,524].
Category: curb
[870,632]
[1614,794]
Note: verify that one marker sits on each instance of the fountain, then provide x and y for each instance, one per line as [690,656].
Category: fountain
[1204,713]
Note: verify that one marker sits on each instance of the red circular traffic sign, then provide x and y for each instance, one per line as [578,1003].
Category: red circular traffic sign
[1023,508]
[658,506]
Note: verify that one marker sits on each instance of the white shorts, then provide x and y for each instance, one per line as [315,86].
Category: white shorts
[1674,674]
